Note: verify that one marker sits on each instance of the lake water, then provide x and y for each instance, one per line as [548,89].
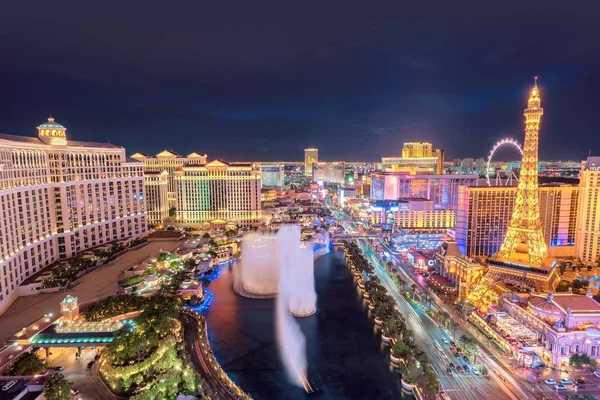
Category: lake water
[346,359]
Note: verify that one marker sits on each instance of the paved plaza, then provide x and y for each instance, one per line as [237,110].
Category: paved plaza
[98,283]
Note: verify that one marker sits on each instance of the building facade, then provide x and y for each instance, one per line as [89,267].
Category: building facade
[61,197]
[170,161]
[330,172]
[417,158]
[587,240]
[272,175]
[483,214]
[218,195]
[410,215]
[442,189]
[157,199]
[311,156]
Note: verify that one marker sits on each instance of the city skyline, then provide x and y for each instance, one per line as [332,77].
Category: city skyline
[274,86]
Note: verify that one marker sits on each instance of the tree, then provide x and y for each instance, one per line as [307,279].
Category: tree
[28,364]
[400,349]
[454,325]
[413,289]
[172,212]
[57,388]
[483,369]
[206,235]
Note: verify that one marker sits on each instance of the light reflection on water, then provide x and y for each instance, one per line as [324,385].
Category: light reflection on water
[345,355]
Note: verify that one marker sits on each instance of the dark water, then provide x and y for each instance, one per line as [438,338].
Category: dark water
[345,356]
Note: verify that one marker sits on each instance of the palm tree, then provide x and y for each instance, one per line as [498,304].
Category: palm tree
[428,297]
[413,289]
[475,352]
[454,325]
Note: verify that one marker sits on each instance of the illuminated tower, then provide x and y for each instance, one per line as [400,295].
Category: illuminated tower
[523,256]
[524,240]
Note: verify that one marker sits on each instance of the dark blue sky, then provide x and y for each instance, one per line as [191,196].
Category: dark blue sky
[263,80]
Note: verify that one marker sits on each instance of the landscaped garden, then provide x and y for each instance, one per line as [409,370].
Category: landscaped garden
[149,362]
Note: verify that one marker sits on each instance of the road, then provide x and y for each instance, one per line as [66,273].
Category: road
[192,346]
[428,335]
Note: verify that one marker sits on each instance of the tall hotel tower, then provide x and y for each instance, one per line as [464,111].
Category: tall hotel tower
[523,257]
[60,197]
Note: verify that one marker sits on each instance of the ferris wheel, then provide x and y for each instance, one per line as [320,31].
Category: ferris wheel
[506,142]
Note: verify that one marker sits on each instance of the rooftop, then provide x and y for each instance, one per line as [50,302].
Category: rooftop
[577,303]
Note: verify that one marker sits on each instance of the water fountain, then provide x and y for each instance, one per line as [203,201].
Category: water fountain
[279,265]
[257,276]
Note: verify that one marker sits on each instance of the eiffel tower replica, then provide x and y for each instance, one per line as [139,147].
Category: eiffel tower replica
[523,259]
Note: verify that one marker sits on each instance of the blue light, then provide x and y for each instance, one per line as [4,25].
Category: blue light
[206,302]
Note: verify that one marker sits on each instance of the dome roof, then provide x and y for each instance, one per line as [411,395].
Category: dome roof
[544,308]
[51,124]
[591,331]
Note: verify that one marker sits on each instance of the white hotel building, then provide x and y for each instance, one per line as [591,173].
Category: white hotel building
[60,197]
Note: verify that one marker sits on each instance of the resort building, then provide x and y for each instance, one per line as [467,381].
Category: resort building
[218,195]
[587,237]
[170,161]
[564,323]
[410,215]
[330,172]
[484,212]
[157,198]
[441,189]
[311,156]
[60,197]
[463,272]
[417,158]
[272,175]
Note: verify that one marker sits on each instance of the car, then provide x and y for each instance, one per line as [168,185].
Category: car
[445,341]
[74,391]
[579,386]
[457,355]
[466,359]
[566,381]
[460,369]
[560,387]
[597,373]
[449,370]
[578,382]
[550,381]
[453,344]
[476,371]
[451,365]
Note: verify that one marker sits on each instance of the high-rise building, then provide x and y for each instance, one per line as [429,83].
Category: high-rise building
[168,160]
[332,172]
[484,212]
[442,189]
[417,150]
[417,158]
[218,195]
[157,203]
[410,215]
[272,174]
[587,238]
[523,259]
[311,156]
[60,197]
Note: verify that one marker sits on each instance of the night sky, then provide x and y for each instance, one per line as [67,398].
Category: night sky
[253,80]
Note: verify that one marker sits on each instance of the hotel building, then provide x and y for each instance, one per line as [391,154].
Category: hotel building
[441,189]
[168,160]
[410,215]
[587,236]
[218,195]
[271,174]
[483,214]
[311,156]
[61,197]
[417,158]
[157,200]
[331,172]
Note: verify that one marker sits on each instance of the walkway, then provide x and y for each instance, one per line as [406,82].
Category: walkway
[99,283]
[192,346]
